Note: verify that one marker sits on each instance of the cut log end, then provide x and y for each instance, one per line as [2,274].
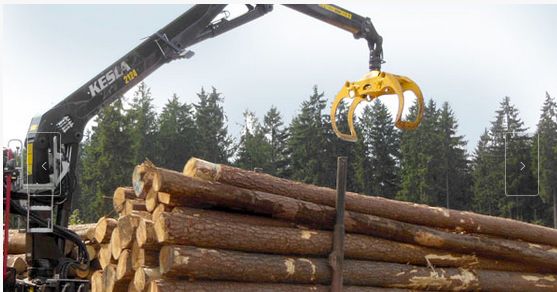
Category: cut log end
[144,257]
[97,281]
[137,179]
[119,197]
[115,245]
[166,258]
[124,269]
[159,210]
[160,228]
[145,275]
[145,234]
[17,261]
[105,255]
[104,229]
[127,226]
[200,168]
[141,179]
[156,182]
[92,251]
[151,200]
[131,206]
[163,198]
[110,283]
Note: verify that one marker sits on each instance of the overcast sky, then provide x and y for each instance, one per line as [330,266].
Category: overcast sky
[470,55]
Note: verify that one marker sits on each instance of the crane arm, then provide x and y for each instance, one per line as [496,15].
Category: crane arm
[359,26]
[53,138]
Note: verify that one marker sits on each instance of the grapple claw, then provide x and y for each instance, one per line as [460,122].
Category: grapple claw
[372,86]
[344,93]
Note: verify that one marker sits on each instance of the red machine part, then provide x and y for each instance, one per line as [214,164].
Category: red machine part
[8,180]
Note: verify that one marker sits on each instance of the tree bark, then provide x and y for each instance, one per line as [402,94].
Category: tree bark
[83,230]
[16,242]
[184,189]
[17,261]
[218,230]
[211,264]
[144,275]
[97,281]
[110,283]
[144,257]
[131,206]
[172,285]
[104,229]
[378,206]
[159,209]
[121,194]
[143,214]
[124,269]
[105,255]
[233,217]
[145,235]
[126,227]
[16,239]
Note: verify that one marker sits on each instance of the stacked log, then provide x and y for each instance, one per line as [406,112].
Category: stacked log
[16,250]
[18,262]
[218,228]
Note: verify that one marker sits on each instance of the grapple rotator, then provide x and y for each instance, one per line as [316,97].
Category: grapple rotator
[371,86]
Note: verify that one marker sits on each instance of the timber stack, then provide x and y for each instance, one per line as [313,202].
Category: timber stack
[219,228]
[16,250]
[214,227]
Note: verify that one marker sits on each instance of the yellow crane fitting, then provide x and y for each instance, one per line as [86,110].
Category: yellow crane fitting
[371,86]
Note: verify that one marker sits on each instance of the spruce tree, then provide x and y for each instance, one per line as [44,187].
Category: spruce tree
[277,135]
[254,150]
[333,147]
[177,134]
[517,151]
[143,119]
[382,143]
[422,172]
[483,200]
[547,134]
[306,141]
[455,164]
[106,161]
[498,180]
[213,142]
[435,169]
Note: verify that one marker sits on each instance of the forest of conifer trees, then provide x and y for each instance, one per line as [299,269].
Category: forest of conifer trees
[430,165]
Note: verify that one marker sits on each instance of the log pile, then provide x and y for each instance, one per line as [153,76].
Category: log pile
[16,249]
[218,228]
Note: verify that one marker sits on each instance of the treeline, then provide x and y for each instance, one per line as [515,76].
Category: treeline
[429,165]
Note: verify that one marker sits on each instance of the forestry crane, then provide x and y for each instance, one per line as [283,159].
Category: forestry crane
[43,184]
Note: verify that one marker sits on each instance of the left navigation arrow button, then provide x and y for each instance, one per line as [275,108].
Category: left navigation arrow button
[44,165]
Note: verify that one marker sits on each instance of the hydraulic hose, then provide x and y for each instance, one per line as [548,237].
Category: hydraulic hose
[60,231]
